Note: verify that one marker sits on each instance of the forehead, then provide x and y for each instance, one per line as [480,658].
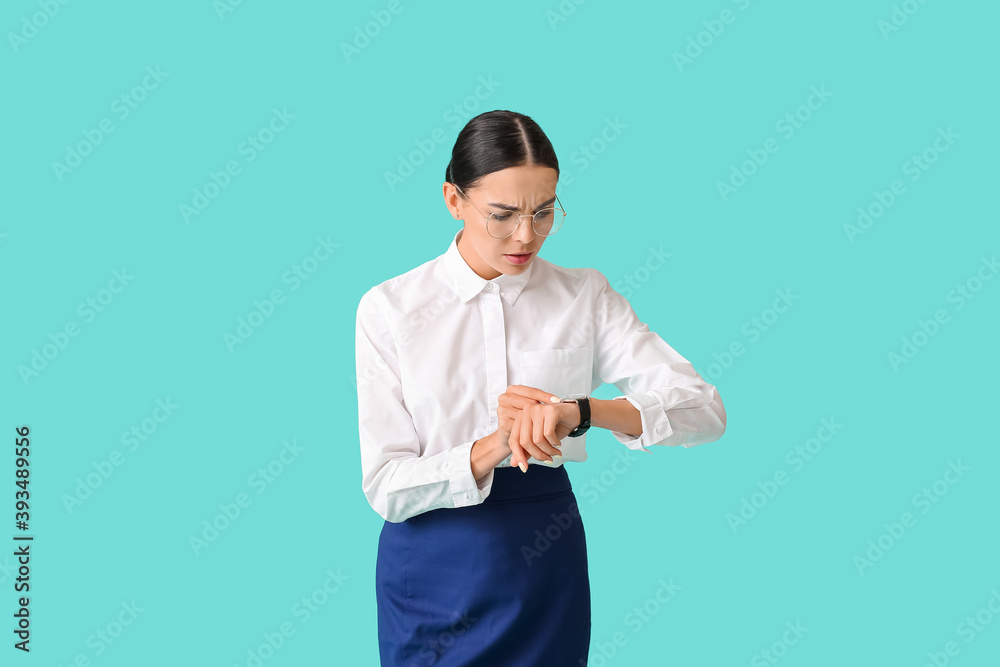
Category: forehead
[524,187]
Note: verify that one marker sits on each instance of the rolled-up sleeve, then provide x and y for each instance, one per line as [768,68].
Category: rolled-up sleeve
[676,405]
[397,481]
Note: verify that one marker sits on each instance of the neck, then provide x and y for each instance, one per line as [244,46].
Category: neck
[475,262]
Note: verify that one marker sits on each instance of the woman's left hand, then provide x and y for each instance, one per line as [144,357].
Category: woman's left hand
[543,423]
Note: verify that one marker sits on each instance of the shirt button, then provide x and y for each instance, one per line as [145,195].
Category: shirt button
[491,286]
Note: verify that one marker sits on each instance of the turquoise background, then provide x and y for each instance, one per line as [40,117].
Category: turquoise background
[571,68]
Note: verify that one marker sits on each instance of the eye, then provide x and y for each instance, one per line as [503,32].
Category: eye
[544,214]
[501,217]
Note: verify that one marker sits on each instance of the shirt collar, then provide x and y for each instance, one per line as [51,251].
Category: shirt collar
[467,283]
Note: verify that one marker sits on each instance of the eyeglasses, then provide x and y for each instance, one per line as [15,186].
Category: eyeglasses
[544,222]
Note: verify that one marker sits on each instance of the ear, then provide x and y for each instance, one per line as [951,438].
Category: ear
[452,200]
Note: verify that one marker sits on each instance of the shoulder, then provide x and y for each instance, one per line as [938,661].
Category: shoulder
[581,279]
[585,289]
[406,287]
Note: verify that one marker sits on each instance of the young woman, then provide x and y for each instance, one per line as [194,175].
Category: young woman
[475,371]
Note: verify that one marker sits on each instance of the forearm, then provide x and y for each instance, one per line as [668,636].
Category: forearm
[615,415]
[486,454]
[676,415]
[400,485]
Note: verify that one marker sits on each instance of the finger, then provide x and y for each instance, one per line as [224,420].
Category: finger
[505,417]
[525,439]
[532,393]
[506,420]
[551,419]
[516,403]
[538,427]
[562,431]
[538,438]
[512,437]
[517,455]
[524,434]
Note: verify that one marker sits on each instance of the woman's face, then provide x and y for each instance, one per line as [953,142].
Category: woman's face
[526,189]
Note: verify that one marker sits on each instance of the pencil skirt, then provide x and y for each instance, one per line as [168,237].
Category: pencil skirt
[503,582]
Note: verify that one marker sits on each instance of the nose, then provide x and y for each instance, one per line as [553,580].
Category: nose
[525,233]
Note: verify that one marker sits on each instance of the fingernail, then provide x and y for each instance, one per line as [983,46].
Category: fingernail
[554,399]
[558,456]
[523,466]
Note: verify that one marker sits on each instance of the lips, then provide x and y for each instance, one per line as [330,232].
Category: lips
[519,258]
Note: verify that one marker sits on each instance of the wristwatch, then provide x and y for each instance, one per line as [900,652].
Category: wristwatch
[584,402]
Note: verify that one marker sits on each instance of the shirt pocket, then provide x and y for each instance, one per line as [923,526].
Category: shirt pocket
[561,372]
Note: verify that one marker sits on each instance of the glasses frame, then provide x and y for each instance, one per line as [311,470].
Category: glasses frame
[519,216]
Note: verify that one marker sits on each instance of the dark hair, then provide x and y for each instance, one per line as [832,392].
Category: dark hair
[495,140]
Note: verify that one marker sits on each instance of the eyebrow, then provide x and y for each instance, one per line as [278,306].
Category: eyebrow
[508,207]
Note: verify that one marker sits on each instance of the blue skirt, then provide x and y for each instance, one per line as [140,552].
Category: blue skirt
[504,582]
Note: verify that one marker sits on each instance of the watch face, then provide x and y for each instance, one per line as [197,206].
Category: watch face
[575,397]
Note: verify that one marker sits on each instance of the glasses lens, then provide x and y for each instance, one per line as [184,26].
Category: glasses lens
[548,221]
[501,225]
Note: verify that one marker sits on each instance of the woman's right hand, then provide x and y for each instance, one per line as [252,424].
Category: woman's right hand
[509,406]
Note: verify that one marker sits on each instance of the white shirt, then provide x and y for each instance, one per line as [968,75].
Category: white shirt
[437,345]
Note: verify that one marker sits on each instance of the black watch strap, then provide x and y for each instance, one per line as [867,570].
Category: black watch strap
[584,403]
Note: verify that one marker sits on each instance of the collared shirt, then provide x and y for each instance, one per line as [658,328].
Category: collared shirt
[437,345]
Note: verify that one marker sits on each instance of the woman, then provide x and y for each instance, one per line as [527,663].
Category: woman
[474,376]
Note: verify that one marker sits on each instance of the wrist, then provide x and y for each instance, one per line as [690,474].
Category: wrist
[487,453]
[616,415]
[583,414]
